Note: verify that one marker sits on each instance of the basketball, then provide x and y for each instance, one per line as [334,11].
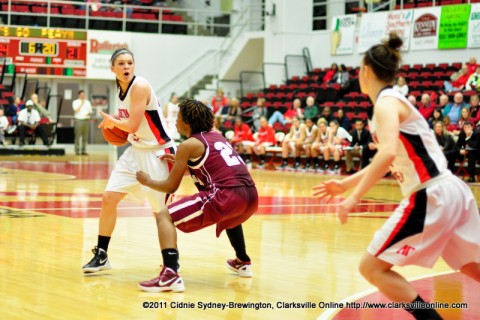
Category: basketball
[115,136]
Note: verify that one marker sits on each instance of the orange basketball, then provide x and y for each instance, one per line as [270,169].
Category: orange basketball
[115,136]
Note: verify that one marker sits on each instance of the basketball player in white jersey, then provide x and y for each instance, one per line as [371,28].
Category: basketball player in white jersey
[438,216]
[139,114]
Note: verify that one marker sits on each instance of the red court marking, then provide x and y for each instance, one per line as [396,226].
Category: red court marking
[82,170]
[447,288]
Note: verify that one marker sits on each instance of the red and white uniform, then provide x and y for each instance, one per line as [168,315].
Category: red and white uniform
[227,194]
[439,216]
[266,136]
[149,142]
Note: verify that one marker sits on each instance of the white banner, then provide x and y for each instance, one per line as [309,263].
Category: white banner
[372,30]
[343,34]
[474,26]
[426,25]
[101,45]
[400,21]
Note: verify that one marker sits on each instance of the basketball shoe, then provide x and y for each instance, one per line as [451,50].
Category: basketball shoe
[244,269]
[99,261]
[167,280]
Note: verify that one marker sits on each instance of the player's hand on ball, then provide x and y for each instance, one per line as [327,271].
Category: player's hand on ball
[107,121]
[143,178]
[329,189]
[168,157]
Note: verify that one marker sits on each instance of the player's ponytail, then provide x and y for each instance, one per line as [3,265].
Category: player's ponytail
[385,58]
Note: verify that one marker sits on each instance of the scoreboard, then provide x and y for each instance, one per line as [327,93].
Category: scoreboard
[43,51]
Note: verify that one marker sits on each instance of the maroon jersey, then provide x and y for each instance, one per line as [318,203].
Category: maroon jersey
[219,166]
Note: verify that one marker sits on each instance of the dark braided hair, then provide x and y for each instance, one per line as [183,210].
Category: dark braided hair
[197,115]
[114,56]
[385,58]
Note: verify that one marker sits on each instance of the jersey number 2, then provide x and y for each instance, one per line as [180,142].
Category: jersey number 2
[226,152]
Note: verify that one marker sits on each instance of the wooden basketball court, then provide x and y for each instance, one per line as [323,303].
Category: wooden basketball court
[304,262]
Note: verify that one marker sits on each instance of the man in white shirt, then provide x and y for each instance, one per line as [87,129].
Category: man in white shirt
[29,119]
[83,110]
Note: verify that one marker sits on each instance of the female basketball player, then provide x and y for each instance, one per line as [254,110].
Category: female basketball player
[227,194]
[137,113]
[439,215]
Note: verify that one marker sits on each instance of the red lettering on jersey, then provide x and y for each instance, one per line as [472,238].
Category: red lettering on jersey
[405,250]
[123,114]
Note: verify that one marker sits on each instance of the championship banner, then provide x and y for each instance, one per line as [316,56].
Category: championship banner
[454,27]
[474,26]
[372,30]
[400,21]
[426,24]
[101,45]
[343,34]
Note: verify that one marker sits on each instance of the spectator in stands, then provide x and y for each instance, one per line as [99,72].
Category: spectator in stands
[38,106]
[311,131]
[449,126]
[3,125]
[473,82]
[219,101]
[467,147]
[29,118]
[474,108]
[426,106]
[218,125]
[330,73]
[443,101]
[320,142]
[472,65]
[293,143]
[258,112]
[295,111]
[337,138]
[342,77]
[241,133]
[436,116]
[360,140]
[453,110]
[446,142]
[311,110]
[265,138]
[465,117]
[413,100]
[14,109]
[234,111]
[343,120]
[401,86]
[369,152]
[327,114]
[458,80]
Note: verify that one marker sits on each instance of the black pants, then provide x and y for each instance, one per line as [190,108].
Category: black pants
[366,155]
[40,131]
[471,160]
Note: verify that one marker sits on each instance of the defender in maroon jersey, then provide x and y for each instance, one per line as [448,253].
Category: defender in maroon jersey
[227,194]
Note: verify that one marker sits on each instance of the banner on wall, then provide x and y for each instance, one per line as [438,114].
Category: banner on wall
[454,27]
[372,30]
[400,21]
[342,34]
[474,26]
[426,24]
[100,46]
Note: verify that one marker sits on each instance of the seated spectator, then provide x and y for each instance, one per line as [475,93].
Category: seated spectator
[258,112]
[342,77]
[458,80]
[449,126]
[413,100]
[219,101]
[343,120]
[311,110]
[337,138]
[311,131]
[436,116]
[474,108]
[14,109]
[446,142]
[360,140]
[443,101]
[3,125]
[218,125]
[29,118]
[241,133]
[453,110]
[472,65]
[330,73]
[293,143]
[327,114]
[401,86]
[294,111]
[320,142]
[426,107]
[369,152]
[39,107]
[473,82]
[233,111]
[265,138]
[467,147]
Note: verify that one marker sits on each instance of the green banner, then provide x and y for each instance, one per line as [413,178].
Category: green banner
[454,26]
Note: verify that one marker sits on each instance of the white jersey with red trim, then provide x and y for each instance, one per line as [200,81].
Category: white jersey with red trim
[418,157]
[151,133]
